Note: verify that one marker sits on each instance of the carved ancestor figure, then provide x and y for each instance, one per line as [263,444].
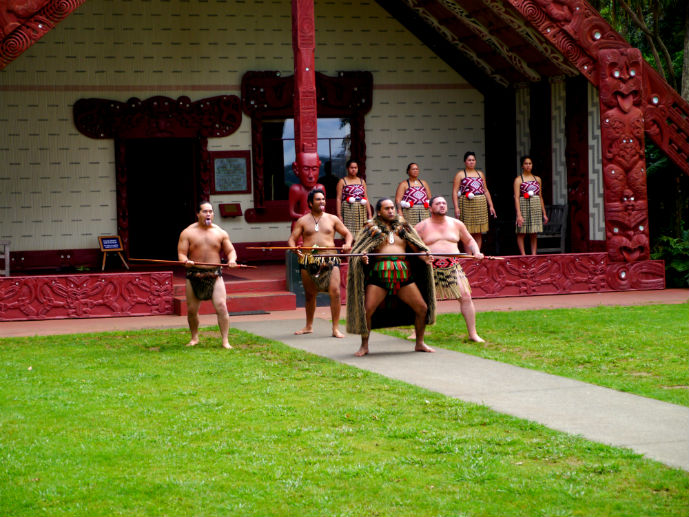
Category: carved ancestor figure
[307,168]
[624,161]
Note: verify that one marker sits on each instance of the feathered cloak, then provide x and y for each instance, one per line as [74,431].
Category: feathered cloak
[392,312]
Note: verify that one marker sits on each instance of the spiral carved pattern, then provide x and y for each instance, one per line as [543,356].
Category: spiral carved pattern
[14,45]
[31,28]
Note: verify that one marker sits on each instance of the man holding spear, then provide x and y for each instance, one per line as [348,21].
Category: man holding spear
[319,274]
[203,242]
[389,265]
[442,235]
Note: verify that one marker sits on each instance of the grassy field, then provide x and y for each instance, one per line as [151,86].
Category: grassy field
[137,424]
[642,350]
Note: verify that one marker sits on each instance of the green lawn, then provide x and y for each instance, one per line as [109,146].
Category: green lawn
[136,424]
[642,350]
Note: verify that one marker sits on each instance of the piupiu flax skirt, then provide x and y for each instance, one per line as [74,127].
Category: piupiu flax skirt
[532,214]
[448,276]
[319,269]
[415,214]
[353,216]
[474,213]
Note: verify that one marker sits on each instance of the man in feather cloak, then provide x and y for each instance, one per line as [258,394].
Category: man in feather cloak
[391,290]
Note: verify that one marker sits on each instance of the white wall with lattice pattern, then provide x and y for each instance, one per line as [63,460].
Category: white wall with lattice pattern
[57,187]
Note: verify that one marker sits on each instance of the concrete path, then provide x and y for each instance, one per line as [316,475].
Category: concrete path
[656,429]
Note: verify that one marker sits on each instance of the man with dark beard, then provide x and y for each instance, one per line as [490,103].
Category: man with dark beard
[390,290]
[320,274]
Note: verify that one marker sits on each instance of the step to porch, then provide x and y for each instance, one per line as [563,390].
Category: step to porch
[244,296]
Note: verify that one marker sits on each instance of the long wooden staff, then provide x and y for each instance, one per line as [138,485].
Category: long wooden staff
[268,248]
[180,263]
[416,254]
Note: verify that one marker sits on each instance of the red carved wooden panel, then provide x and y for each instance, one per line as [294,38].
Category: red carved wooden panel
[579,32]
[624,160]
[85,296]
[24,22]
[157,117]
[304,48]
[555,274]
[560,274]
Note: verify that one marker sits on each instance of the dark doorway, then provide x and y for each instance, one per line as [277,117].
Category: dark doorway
[161,193]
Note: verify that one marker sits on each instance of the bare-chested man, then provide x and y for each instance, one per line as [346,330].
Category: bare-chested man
[442,234]
[203,241]
[320,274]
[389,275]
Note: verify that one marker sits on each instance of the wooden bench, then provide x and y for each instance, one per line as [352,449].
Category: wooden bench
[555,231]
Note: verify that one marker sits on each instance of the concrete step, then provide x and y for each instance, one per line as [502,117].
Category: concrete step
[244,286]
[244,302]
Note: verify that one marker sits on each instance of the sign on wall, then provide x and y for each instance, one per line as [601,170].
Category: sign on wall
[231,172]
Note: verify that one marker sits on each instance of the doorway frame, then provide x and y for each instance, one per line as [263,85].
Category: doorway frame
[157,117]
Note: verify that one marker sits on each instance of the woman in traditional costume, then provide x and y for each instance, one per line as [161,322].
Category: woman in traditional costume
[471,198]
[529,206]
[353,208]
[411,197]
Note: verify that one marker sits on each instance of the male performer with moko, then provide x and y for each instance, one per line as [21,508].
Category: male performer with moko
[319,274]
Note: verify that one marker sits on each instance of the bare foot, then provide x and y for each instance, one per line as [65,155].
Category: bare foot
[412,337]
[423,347]
[226,345]
[362,351]
[477,339]
[305,330]
[337,333]
[193,342]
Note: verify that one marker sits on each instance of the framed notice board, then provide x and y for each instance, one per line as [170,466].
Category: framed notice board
[110,243]
[231,172]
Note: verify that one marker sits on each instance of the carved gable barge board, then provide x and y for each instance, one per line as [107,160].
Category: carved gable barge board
[580,34]
[24,26]
[476,76]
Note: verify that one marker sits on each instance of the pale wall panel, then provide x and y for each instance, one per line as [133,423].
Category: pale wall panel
[58,186]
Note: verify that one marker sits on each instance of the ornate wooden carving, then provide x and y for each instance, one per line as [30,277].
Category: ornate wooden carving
[666,117]
[85,296]
[624,163]
[267,95]
[580,33]
[304,48]
[420,8]
[156,117]
[555,274]
[24,22]
[560,274]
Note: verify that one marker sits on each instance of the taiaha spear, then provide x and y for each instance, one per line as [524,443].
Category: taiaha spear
[416,254]
[268,248]
[180,263]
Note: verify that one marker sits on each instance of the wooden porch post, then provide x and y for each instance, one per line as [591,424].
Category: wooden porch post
[624,158]
[304,46]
